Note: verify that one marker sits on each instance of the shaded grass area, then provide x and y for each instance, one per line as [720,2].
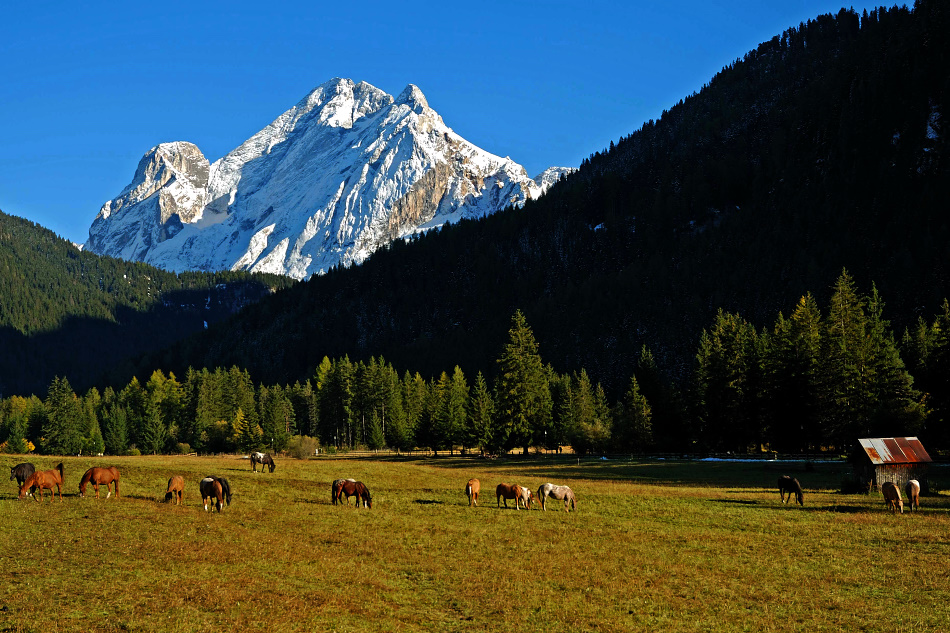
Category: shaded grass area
[685,546]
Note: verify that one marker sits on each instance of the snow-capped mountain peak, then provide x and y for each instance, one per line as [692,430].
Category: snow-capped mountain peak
[341,173]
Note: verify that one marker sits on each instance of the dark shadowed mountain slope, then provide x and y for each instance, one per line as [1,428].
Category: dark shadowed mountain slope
[825,148]
[74,314]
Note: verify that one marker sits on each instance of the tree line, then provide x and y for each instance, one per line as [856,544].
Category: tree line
[815,380]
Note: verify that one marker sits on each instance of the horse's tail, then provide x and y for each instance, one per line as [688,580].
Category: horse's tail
[226,489]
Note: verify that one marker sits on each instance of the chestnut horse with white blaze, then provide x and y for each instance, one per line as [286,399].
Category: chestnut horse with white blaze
[472,489]
[176,489]
[913,494]
[892,497]
[45,480]
[513,491]
[560,493]
[98,477]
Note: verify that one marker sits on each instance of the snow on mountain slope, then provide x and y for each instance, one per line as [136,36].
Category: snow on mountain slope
[345,171]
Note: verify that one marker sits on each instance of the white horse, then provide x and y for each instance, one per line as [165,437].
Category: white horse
[558,492]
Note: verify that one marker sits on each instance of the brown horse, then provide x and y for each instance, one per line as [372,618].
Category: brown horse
[45,479]
[217,490]
[176,489]
[100,477]
[472,489]
[356,489]
[788,485]
[335,489]
[913,494]
[513,491]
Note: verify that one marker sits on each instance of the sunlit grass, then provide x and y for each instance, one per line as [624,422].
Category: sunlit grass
[654,546]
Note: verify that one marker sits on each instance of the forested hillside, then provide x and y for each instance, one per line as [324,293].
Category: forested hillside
[824,149]
[67,313]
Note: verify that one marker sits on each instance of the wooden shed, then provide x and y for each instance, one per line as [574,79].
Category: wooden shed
[895,459]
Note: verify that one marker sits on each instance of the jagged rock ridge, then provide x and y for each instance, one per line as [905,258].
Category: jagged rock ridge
[345,171]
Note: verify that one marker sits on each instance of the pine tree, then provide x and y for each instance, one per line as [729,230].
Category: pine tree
[154,431]
[61,433]
[727,363]
[481,410]
[633,430]
[523,397]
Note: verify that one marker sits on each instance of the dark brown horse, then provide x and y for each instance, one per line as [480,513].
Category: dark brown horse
[358,489]
[513,491]
[335,489]
[788,485]
[176,489]
[264,459]
[22,472]
[217,490]
[45,479]
[100,477]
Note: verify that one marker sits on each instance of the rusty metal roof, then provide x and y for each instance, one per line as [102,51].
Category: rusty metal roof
[895,450]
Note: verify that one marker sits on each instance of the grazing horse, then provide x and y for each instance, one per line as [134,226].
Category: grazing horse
[176,489]
[472,489]
[358,489]
[913,494]
[892,496]
[45,479]
[22,472]
[100,476]
[335,489]
[513,491]
[264,459]
[559,493]
[217,490]
[788,485]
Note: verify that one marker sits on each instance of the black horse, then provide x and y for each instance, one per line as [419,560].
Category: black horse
[264,459]
[22,472]
[788,485]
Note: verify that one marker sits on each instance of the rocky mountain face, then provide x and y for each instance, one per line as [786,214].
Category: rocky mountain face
[342,173]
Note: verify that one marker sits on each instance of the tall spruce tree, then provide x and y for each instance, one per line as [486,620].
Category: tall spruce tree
[62,434]
[523,397]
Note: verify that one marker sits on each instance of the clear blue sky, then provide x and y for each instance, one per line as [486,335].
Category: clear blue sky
[87,88]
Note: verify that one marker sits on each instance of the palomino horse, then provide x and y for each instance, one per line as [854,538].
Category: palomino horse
[513,491]
[99,477]
[264,459]
[176,489]
[358,489]
[22,472]
[45,479]
[558,492]
[913,494]
[217,490]
[335,489]
[788,485]
[892,496]
[472,489]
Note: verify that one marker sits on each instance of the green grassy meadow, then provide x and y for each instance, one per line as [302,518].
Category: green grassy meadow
[654,546]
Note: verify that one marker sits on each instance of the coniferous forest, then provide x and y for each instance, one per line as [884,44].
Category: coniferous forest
[715,280]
